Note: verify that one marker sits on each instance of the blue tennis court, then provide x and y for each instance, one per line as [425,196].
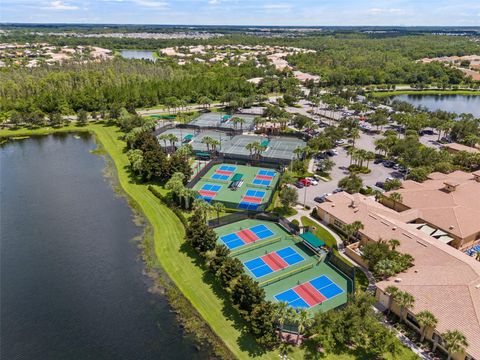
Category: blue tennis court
[274,261]
[258,267]
[227,168]
[310,293]
[209,191]
[261,231]
[246,236]
[217,176]
[251,200]
[211,187]
[255,193]
[293,299]
[266,173]
[261,182]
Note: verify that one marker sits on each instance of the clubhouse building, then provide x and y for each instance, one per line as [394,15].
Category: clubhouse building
[443,280]
[446,206]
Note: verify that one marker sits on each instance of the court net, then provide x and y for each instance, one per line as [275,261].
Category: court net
[286,274]
[255,245]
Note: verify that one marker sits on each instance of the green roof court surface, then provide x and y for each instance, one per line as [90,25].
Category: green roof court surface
[283,266]
[253,194]
[222,120]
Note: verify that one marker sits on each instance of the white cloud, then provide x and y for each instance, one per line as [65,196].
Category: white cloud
[378,11]
[151,3]
[60,5]
[214,2]
[277,6]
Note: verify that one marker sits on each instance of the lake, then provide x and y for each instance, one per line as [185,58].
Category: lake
[138,54]
[451,103]
[72,285]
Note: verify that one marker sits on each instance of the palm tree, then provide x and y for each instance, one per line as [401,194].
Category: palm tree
[405,300]
[299,151]
[188,194]
[454,342]
[218,207]
[391,291]
[238,120]
[214,143]
[175,184]
[303,320]
[165,138]
[393,243]
[378,194]
[426,320]
[208,140]
[369,156]
[352,152]
[202,207]
[396,198]
[172,139]
[251,147]
[281,312]
[352,229]
[354,135]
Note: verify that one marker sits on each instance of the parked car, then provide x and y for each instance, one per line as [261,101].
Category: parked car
[378,161]
[340,142]
[388,163]
[331,152]
[305,182]
[426,132]
[337,190]
[312,181]
[380,184]
[299,185]
[319,199]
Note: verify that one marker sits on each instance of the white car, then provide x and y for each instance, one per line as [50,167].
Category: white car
[312,180]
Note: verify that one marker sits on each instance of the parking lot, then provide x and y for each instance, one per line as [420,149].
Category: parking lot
[378,171]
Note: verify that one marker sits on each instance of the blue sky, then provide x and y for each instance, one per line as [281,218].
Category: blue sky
[245,12]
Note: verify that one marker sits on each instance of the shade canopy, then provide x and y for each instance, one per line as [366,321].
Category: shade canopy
[237,177]
[312,240]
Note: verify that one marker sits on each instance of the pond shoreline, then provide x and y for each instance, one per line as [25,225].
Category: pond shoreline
[186,314]
[377,93]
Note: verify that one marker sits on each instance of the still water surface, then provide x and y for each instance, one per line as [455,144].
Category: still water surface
[71,275]
[138,54]
[451,103]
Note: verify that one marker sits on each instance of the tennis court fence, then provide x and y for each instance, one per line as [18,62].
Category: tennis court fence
[349,271]
[255,245]
[285,275]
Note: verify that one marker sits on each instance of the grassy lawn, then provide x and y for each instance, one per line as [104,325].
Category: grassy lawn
[320,232]
[180,264]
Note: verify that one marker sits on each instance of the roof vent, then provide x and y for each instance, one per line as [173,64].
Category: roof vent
[451,227]
[333,204]
[394,228]
[397,280]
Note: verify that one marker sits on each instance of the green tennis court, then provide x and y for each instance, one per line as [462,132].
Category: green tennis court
[242,187]
[257,254]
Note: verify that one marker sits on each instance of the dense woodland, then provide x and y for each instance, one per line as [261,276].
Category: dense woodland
[341,58]
[96,86]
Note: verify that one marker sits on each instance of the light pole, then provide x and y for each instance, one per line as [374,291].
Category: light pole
[304,196]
